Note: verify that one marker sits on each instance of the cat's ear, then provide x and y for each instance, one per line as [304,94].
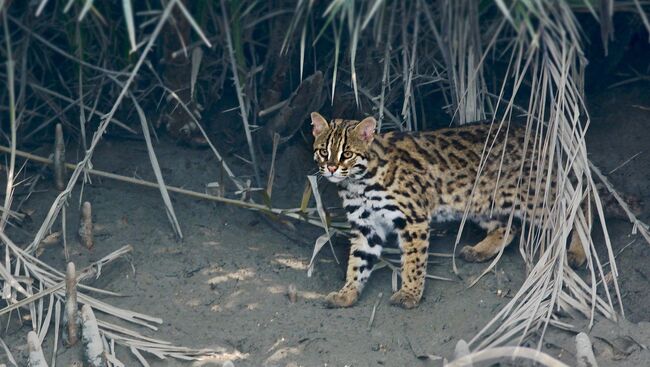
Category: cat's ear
[318,123]
[365,130]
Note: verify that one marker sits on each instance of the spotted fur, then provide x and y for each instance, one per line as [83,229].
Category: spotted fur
[394,184]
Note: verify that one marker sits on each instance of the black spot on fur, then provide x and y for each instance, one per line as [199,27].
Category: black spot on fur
[351,208]
[391,240]
[365,230]
[374,187]
[374,240]
[399,223]
[391,207]
[369,258]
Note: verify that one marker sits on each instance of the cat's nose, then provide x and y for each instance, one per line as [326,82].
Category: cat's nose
[332,169]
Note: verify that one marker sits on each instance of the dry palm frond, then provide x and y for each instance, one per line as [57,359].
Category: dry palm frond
[549,55]
[52,283]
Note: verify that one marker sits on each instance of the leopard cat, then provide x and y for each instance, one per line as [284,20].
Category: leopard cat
[394,184]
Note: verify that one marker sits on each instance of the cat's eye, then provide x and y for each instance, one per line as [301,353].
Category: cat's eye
[322,152]
[347,154]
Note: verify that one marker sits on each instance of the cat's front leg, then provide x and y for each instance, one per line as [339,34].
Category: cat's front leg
[414,243]
[365,250]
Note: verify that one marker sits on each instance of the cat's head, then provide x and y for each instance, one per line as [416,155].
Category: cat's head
[341,147]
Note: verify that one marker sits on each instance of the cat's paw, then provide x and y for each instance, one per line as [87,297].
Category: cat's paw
[342,298]
[469,254]
[404,299]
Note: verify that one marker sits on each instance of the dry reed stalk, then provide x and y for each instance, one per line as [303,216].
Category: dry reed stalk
[269,183]
[290,213]
[36,357]
[92,341]
[71,307]
[59,158]
[584,352]
[374,310]
[86,226]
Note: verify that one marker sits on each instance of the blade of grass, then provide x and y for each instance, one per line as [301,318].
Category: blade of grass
[169,207]
[9,64]
[127,8]
[240,93]
[88,4]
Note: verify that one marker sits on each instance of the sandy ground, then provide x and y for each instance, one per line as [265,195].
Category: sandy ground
[225,284]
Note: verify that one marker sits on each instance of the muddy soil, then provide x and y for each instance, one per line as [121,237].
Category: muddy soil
[224,285]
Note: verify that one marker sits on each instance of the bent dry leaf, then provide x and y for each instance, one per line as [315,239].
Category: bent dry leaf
[327,236]
[171,214]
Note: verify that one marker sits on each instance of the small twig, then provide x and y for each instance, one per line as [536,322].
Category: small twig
[621,251]
[374,310]
[645,108]
[12,213]
[273,108]
[86,226]
[64,233]
[624,163]
[639,226]
[59,158]
[71,306]
[269,184]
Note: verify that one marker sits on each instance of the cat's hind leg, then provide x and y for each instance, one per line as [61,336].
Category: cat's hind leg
[491,244]
[576,255]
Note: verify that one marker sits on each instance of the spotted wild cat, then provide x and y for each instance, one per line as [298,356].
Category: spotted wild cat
[394,184]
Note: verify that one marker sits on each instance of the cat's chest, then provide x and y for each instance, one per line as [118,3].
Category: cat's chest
[366,206]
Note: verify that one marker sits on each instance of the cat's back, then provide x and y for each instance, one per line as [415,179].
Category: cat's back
[455,148]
